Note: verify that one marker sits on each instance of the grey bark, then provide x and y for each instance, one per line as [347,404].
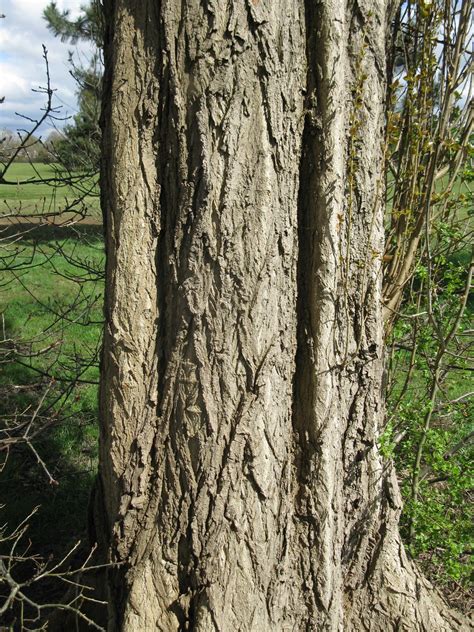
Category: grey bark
[241,487]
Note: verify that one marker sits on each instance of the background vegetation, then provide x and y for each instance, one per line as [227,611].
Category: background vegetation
[427,287]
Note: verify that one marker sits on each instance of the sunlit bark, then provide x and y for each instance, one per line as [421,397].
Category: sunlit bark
[241,484]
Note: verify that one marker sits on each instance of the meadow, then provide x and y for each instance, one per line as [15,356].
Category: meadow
[51,288]
[41,189]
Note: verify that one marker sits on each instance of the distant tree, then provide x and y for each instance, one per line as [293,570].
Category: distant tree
[79,148]
[13,144]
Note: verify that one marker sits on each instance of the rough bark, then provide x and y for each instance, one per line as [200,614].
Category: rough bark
[241,487]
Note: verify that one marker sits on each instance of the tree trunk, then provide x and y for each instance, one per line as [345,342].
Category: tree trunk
[240,480]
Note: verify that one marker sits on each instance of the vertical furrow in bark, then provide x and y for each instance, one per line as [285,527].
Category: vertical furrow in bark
[320,408]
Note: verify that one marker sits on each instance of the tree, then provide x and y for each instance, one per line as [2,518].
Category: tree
[80,146]
[87,26]
[241,483]
[79,149]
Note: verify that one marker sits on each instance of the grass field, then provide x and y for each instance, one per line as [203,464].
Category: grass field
[37,189]
[51,320]
[48,299]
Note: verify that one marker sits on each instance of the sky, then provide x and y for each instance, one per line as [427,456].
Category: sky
[22,67]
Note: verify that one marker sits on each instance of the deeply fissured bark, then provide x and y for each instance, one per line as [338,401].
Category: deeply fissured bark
[240,479]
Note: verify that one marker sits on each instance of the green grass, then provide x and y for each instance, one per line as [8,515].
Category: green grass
[42,305]
[43,286]
[46,282]
[28,191]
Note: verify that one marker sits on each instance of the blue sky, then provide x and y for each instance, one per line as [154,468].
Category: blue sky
[22,68]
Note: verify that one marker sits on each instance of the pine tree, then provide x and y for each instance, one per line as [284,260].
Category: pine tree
[79,149]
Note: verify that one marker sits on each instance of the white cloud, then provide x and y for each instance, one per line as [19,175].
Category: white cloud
[23,31]
[13,85]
